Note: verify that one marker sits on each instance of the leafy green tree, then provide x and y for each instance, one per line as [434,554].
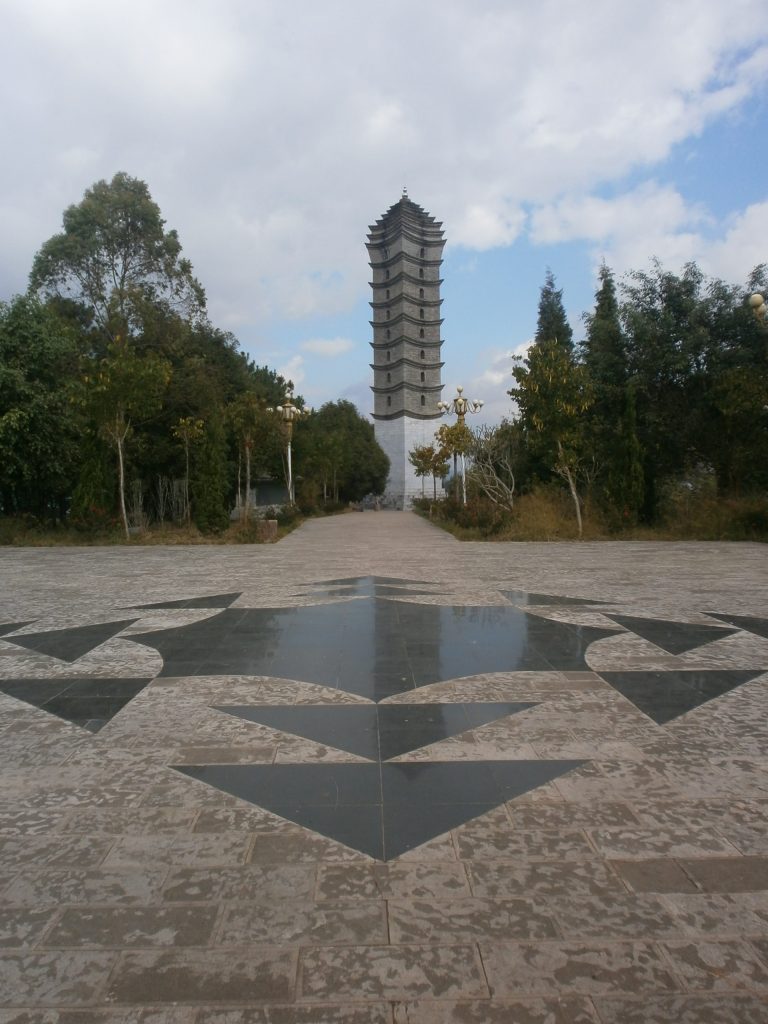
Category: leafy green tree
[189,431]
[552,323]
[209,478]
[115,262]
[422,459]
[119,390]
[40,431]
[553,395]
[337,442]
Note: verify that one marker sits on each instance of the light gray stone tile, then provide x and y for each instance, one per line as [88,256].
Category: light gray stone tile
[305,923]
[391,972]
[551,968]
[126,927]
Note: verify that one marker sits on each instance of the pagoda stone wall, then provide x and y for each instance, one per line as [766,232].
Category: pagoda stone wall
[405,248]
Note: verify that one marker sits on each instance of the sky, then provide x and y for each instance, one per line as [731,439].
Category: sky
[548,135]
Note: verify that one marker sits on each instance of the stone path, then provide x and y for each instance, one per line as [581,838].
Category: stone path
[169,802]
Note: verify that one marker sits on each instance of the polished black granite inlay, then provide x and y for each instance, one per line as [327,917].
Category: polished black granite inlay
[378,732]
[749,623]
[70,644]
[673,637]
[85,701]
[667,695]
[9,627]
[213,601]
[525,598]
[373,647]
[381,810]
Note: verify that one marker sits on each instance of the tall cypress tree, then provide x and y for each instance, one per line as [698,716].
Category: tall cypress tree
[552,323]
[209,479]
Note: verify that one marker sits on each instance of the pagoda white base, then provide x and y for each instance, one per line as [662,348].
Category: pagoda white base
[398,438]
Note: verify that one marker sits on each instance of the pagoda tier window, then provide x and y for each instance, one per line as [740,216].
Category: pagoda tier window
[388,314]
[389,399]
[421,293]
[421,354]
[421,272]
[422,375]
[389,356]
[423,400]
[421,332]
[421,314]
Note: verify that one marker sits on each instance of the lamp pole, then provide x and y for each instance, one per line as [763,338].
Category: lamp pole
[758,306]
[460,406]
[288,414]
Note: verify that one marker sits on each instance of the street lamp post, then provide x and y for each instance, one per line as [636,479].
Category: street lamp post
[288,413]
[460,406]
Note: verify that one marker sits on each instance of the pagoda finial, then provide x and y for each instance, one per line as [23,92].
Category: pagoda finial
[405,192]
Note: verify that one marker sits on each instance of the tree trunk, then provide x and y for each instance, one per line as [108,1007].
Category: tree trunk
[566,470]
[186,484]
[121,478]
[247,501]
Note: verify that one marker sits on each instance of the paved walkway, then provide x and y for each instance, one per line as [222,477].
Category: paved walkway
[371,774]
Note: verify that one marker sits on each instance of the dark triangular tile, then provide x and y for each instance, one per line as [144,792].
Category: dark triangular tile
[407,727]
[525,598]
[9,627]
[70,644]
[85,701]
[213,601]
[748,623]
[673,637]
[380,811]
[425,800]
[663,696]
[340,801]
[346,727]
[369,731]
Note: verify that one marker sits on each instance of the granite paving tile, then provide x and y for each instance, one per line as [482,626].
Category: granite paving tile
[494,879]
[56,886]
[728,874]
[259,974]
[253,882]
[721,915]
[684,1009]
[616,916]
[567,1010]
[117,1015]
[636,843]
[400,879]
[552,968]
[21,927]
[655,874]
[53,979]
[718,965]
[414,921]
[185,851]
[348,1013]
[304,923]
[391,972]
[118,927]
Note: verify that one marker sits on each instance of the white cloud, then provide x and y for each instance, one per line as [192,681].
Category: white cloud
[293,370]
[329,348]
[271,134]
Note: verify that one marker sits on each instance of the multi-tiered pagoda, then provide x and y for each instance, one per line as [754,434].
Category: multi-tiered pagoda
[406,251]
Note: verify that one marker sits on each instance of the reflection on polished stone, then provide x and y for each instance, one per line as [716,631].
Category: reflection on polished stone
[377,732]
[373,647]
[381,810]
[667,695]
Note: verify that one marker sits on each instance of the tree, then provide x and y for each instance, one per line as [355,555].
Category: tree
[552,323]
[423,458]
[495,455]
[553,395]
[40,432]
[189,431]
[336,443]
[454,439]
[115,263]
[256,431]
[119,390]
[209,478]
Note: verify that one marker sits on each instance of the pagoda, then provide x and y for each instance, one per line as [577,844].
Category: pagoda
[405,249]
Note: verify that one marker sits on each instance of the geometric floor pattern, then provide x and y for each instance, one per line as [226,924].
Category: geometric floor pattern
[473,782]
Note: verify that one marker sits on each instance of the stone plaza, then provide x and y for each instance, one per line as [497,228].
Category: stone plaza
[373,775]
